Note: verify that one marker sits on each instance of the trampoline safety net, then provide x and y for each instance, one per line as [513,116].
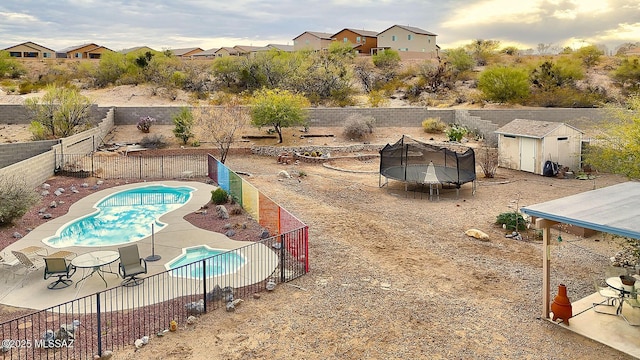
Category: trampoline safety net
[408,160]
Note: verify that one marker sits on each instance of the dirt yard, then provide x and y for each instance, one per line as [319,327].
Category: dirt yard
[393,275]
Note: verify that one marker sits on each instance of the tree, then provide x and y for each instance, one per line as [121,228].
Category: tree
[59,113]
[460,60]
[220,123]
[183,122]
[483,50]
[504,84]
[616,148]
[628,73]
[9,67]
[387,59]
[278,108]
[590,55]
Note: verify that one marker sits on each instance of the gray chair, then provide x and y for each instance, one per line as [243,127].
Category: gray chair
[55,266]
[611,297]
[131,265]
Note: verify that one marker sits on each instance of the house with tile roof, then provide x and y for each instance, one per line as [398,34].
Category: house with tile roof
[186,53]
[361,40]
[30,50]
[312,40]
[85,51]
[227,51]
[410,42]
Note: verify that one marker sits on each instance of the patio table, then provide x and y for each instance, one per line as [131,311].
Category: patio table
[96,261]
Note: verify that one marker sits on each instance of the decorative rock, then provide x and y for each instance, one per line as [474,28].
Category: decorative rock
[99,182]
[231,307]
[264,234]
[145,340]
[53,204]
[230,233]
[47,216]
[475,233]
[256,296]
[46,186]
[284,175]
[227,226]
[191,320]
[277,246]
[106,355]
[44,193]
[271,285]
[196,307]
[222,212]
[138,343]
[57,192]
[60,189]
[42,211]
[95,187]
[17,235]
[84,185]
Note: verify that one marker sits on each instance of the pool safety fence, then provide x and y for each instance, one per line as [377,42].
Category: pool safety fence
[117,166]
[115,318]
[267,212]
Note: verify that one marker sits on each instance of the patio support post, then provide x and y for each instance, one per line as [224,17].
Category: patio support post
[545,226]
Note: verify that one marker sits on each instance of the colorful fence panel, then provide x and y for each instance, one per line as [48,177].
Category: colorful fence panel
[269,214]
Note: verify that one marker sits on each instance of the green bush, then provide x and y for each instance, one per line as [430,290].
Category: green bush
[433,125]
[15,199]
[456,132]
[509,220]
[183,122]
[219,196]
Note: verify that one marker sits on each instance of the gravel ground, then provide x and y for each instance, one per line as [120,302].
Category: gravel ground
[393,276]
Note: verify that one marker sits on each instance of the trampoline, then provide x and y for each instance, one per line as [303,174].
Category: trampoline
[416,162]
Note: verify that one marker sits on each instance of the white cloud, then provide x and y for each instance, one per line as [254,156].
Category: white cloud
[494,11]
[16,18]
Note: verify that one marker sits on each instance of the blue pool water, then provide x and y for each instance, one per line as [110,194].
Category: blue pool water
[223,262]
[122,217]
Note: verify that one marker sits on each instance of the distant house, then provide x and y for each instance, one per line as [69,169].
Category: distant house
[276,47]
[411,42]
[245,50]
[227,51]
[186,52]
[527,144]
[85,51]
[362,40]
[312,40]
[142,49]
[207,54]
[30,50]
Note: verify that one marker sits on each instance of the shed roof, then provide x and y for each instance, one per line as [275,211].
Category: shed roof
[531,128]
[613,209]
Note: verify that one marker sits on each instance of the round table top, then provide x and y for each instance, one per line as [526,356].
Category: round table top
[95,258]
[616,283]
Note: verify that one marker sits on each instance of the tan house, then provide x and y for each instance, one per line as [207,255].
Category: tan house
[227,51]
[362,40]
[30,50]
[86,51]
[312,40]
[207,54]
[246,50]
[411,42]
[186,52]
[527,144]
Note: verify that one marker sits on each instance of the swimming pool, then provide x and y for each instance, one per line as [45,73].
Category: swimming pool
[123,217]
[219,262]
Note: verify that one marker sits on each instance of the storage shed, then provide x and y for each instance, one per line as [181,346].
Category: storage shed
[527,144]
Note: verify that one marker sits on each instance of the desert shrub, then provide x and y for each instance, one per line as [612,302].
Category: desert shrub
[38,130]
[433,125]
[488,158]
[358,126]
[144,123]
[377,98]
[456,132]
[219,196]
[26,87]
[154,142]
[183,122]
[15,199]
[510,219]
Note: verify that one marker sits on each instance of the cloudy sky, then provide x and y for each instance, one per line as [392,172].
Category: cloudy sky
[173,24]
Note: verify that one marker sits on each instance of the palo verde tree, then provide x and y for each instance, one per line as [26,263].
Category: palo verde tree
[616,148]
[504,84]
[59,113]
[278,108]
[183,124]
[220,123]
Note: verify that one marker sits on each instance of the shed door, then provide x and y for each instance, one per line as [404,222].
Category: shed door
[528,154]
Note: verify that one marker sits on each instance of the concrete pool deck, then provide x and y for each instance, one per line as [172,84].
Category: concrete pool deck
[31,291]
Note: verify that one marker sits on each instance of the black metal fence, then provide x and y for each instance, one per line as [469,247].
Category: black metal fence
[115,318]
[118,166]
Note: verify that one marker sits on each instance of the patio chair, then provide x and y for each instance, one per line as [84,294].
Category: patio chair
[131,265]
[8,265]
[57,266]
[611,297]
[634,302]
[29,264]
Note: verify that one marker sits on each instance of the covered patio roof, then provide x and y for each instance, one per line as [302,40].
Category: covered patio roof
[614,209]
